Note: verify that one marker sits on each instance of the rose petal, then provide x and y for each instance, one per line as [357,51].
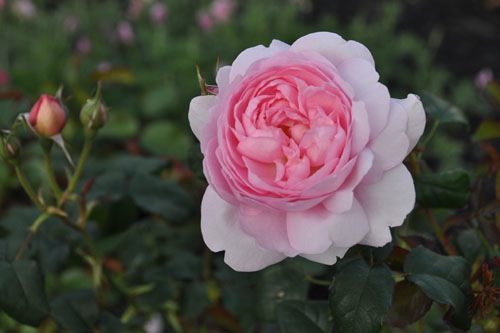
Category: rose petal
[329,257]
[416,118]
[332,46]
[341,200]
[199,113]
[363,78]
[268,227]
[251,55]
[222,78]
[360,128]
[315,230]
[387,203]
[221,231]
[391,146]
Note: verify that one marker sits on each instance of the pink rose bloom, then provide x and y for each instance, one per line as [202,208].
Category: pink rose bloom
[125,32]
[158,13]
[83,45]
[303,152]
[222,10]
[205,21]
[483,77]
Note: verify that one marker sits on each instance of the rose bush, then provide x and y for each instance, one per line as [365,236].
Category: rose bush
[303,152]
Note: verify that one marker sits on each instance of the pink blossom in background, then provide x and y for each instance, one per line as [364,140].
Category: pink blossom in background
[483,77]
[158,13]
[205,20]
[4,78]
[303,151]
[71,23]
[83,45]
[135,8]
[125,32]
[222,10]
[2,4]
[24,8]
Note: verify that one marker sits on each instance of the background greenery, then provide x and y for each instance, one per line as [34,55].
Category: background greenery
[146,167]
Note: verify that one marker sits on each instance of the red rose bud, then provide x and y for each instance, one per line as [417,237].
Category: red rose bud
[94,114]
[47,116]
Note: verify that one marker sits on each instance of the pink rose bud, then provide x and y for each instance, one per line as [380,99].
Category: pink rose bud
[47,116]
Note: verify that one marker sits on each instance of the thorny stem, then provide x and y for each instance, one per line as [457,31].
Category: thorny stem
[439,232]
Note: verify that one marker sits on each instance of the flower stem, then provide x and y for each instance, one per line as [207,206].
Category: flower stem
[33,230]
[439,233]
[79,167]
[318,282]
[50,174]
[27,188]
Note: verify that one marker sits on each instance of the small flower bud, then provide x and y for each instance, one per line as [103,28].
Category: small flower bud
[47,117]
[94,114]
[10,149]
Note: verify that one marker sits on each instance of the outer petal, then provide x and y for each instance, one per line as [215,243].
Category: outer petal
[390,147]
[199,113]
[329,257]
[251,55]
[315,230]
[268,227]
[222,78]
[221,231]
[416,118]
[387,203]
[332,46]
[363,78]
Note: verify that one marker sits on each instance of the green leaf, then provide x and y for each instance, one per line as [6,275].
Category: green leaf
[487,130]
[451,268]
[444,279]
[129,164]
[166,138]
[121,125]
[441,110]
[360,296]
[157,100]
[449,189]
[22,292]
[15,226]
[300,317]
[444,292]
[157,196]
[409,304]
[278,283]
[76,311]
